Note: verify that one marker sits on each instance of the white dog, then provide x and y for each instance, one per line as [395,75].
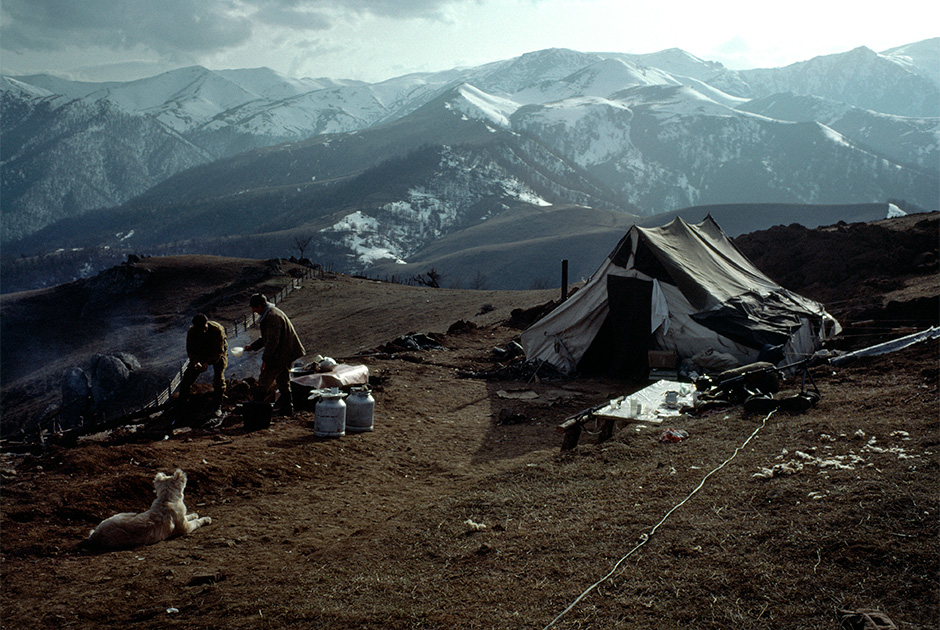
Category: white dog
[166,517]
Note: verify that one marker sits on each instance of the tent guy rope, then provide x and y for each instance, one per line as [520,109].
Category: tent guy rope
[644,538]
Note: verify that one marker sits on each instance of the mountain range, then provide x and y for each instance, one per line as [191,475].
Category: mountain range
[551,155]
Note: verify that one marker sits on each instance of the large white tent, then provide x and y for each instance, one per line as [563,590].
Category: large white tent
[682,288]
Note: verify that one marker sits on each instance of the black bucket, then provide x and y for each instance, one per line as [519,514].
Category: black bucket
[257,415]
[301,396]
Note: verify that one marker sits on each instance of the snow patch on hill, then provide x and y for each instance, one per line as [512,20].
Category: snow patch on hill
[477,104]
[360,234]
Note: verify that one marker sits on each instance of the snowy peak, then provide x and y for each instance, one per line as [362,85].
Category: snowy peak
[533,68]
[182,99]
[674,99]
[859,77]
[678,62]
[268,84]
[187,98]
[922,58]
[11,85]
[476,104]
[903,139]
[609,75]
[65,87]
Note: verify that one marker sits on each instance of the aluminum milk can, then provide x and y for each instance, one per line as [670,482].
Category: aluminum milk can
[330,415]
[360,410]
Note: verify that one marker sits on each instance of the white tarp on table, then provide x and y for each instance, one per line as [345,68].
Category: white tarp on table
[340,376]
[650,403]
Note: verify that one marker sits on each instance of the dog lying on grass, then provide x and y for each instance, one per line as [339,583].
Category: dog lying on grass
[166,518]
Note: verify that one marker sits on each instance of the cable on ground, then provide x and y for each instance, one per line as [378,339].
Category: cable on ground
[644,538]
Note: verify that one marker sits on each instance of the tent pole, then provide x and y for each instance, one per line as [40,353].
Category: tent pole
[564,279]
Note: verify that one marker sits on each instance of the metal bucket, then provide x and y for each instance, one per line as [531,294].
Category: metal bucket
[330,415]
[360,410]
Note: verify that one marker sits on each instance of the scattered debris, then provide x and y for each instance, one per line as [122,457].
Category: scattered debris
[838,462]
[863,619]
[518,394]
[780,470]
[513,349]
[413,341]
[518,370]
[892,450]
[508,416]
[673,435]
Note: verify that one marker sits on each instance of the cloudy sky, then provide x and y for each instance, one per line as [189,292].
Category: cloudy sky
[374,40]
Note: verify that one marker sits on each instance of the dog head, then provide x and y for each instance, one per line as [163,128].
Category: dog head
[170,488]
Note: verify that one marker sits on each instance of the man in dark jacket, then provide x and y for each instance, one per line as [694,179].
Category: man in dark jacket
[281,346]
[206,345]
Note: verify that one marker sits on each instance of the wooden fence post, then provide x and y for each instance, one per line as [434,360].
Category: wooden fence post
[564,280]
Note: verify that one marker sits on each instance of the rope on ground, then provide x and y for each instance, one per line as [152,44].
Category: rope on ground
[644,538]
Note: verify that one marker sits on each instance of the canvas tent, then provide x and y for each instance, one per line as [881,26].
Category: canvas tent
[683,288]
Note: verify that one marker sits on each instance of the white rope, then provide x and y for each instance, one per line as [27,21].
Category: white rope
[644,538]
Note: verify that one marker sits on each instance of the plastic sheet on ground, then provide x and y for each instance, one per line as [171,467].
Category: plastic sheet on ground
[889,346]
[340,376]
[651,404]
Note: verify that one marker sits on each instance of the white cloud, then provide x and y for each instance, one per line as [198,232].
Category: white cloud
[377,39]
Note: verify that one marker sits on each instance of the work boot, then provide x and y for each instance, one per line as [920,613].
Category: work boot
[285,404]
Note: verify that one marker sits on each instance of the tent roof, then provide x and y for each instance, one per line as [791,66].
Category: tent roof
[699,259]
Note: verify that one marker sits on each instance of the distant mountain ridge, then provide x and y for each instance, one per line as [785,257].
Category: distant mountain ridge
[245,162]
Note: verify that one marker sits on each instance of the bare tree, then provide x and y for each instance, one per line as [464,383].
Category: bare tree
[429,279]
[301,243]
[479,281]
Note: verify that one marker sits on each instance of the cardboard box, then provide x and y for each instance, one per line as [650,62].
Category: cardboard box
[663,359]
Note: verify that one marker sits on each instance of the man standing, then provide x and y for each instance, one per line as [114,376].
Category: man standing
[281,346]
[205,345]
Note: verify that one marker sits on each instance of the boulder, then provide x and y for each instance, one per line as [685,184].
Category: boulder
[109,374]
[76,398]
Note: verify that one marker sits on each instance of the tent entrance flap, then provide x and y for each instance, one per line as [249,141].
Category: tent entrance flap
[621,347]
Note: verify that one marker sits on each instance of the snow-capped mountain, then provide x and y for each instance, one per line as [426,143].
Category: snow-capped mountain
[61,156]
[379,171]
[860,77]
[921,58]
[910,141]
